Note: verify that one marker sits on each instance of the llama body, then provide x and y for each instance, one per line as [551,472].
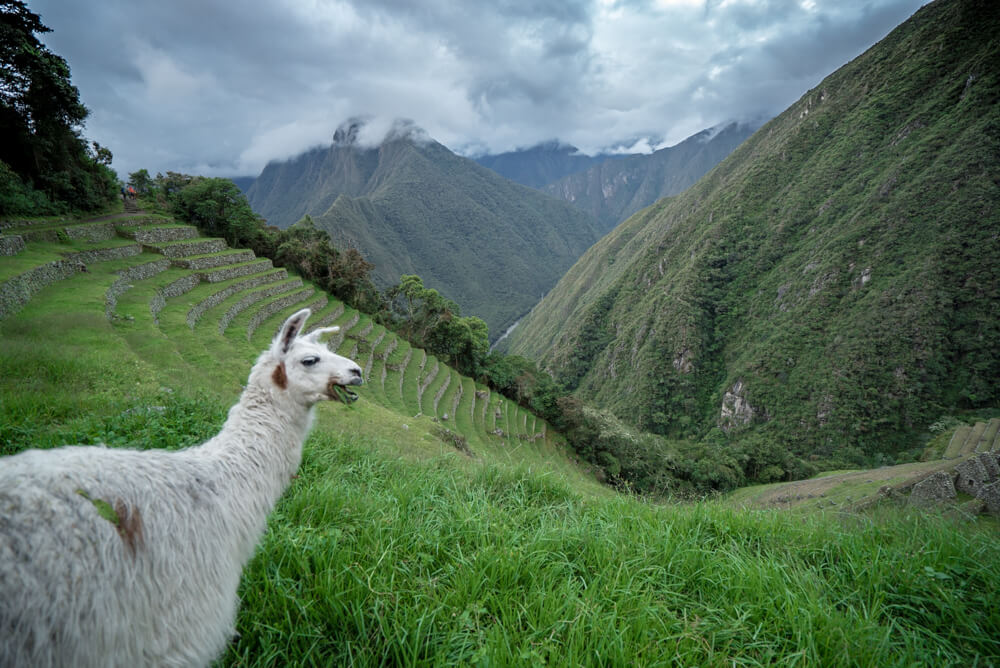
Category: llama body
[124,557]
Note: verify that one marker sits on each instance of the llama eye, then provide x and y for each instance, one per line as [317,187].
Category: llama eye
[309,361]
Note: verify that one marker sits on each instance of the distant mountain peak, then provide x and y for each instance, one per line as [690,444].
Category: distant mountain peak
[367,132]
[347,132]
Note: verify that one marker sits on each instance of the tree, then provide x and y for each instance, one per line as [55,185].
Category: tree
[41,117]
[141,181]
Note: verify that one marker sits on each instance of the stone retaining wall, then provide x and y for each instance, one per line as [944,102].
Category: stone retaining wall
[212,261]
[195,312]
[125,279]
[180,250]
[92,232]
[155,235]
[328,319]
[269,309]
[252,299]
[229,272]
[337,339]
[11,245]
[15,292]
[176,289]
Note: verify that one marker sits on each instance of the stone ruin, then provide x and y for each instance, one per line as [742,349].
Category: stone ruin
[978,476]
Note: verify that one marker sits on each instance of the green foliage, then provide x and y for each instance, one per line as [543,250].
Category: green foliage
[40,117]
[141,181]
[218,208]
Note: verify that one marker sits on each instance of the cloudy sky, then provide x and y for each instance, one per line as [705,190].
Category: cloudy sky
[220,87]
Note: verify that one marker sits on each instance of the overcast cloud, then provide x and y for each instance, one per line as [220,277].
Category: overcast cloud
[218,87]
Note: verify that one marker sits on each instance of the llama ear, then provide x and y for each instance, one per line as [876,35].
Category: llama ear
[289,331]
[314,335]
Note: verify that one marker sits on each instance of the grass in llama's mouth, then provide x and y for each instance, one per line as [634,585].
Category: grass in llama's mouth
[338,392]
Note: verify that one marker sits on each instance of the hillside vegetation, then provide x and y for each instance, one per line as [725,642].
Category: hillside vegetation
[413,207]
[828,289]
[392,546]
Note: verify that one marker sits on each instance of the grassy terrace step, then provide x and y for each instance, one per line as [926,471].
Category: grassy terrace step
[278,309]
[241,301]
[347,343]
[375,339]
[464,409]
[40,265]
[293,294]
[360,336]
[346,321]
[444,410]
[145,296]
[81,301]
[431,369]
[973,440]
[127,277]
[222,258]
[329,316]
[482,401]
[229,271]
[986,443]
[409,382]
[100,229]
[210,295]
[394,365]
[957,442]
[381,353]
[188,247]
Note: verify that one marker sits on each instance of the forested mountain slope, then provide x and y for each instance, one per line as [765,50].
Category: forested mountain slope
[832,285]
[413,207]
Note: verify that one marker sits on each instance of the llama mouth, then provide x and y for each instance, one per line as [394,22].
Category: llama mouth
[340,393]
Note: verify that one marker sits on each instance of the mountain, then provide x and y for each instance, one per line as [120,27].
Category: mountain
[832,286]
[411,206]
[243,182]
[613,190]
[543,164]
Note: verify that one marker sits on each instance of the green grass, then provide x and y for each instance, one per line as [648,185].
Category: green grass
[374,561]
[393,548]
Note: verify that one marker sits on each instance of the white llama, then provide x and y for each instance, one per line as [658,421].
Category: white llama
[114,557]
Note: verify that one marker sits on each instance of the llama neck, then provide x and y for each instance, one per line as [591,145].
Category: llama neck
[260,446]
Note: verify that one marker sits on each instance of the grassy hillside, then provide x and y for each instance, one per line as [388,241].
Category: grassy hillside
[394,547]
[413,207]
[613,190]
[827,287]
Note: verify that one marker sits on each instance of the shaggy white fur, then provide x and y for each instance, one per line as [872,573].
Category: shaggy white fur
[113,557]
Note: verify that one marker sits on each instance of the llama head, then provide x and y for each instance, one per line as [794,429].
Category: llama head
[306,368]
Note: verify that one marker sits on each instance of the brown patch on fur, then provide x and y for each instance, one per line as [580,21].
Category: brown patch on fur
[129,526]
[279,376]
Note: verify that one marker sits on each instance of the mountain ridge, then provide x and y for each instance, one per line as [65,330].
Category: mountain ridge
[821,287]
[412,206]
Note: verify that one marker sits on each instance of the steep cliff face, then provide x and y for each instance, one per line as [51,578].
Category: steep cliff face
[829,284]
[613,190]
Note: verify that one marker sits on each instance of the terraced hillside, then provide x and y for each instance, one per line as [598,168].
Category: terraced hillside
[962,470]
[180,306]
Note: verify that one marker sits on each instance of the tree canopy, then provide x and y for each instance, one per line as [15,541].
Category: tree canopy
[47,165]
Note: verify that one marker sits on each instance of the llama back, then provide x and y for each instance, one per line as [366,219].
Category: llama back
[100,537]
